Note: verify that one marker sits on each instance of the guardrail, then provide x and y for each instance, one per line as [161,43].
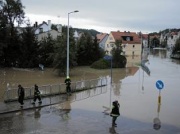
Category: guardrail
[55,89]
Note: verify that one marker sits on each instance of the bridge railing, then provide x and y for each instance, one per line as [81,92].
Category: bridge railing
[55,89]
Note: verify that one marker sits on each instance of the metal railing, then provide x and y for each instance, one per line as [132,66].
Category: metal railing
[48,90]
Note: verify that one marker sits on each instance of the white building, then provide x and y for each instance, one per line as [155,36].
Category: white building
[42,30]
[171,38]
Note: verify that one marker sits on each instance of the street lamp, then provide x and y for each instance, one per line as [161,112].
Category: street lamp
[67,74]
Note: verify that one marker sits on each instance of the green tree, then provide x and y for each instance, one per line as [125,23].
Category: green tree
[54,27]
[118,59]
[60,54]
[177,46]
[11,12]
[46,51]
[155,42]
[97,52]
[28,53]
[92,32]
[3,36]
[87,50]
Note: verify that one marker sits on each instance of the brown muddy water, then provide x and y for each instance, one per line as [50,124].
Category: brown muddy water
[135,90]
[11,77]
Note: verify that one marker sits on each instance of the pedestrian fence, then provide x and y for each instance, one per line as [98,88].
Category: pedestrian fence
[64,101]
[88,94]
[11,94]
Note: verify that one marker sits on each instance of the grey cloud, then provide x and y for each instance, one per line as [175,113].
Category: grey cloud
[133,14]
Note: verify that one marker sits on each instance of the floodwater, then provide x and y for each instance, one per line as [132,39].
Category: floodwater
[141,110]
[12,77]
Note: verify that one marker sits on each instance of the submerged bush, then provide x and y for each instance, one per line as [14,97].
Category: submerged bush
[100,64]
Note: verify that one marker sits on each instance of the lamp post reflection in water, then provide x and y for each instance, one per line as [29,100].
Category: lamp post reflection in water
[109,58]
[111,82]
[143,82]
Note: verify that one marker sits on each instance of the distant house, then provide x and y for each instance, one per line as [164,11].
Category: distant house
[131,43]
[76,35]
[145,40]
[54,34]
[42,30]
[154,40]
[170,38]
[102,37]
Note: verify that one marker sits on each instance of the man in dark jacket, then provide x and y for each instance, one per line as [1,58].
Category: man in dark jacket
[115,112]
[21,95]
[36,94]
[68,85]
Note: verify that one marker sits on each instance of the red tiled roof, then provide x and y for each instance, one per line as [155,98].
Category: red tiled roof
[145,36]
[154,36]
[174,33]
[101,36]
[119,36]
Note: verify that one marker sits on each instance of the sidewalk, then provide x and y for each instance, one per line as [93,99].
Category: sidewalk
[46,101]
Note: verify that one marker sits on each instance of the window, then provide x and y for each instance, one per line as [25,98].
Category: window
[112,45]
[133,46]
[110,38]
[107,45]
[127,38]
[40,30]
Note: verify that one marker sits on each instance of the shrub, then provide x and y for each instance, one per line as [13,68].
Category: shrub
[120,62]
[100,64]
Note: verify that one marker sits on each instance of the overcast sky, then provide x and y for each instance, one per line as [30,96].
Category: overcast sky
[107,15]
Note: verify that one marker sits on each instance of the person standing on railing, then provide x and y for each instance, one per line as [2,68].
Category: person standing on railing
[21,94]
[37,94]
[68,85]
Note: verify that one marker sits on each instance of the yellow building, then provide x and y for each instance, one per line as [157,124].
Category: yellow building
[131,43]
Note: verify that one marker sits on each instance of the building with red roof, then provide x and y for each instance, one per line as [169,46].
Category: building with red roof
[131,42]
[102,37]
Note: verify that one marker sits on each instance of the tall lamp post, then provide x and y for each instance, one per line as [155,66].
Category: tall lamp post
[67,74]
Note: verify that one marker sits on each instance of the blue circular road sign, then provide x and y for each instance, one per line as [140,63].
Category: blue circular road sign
[159,84]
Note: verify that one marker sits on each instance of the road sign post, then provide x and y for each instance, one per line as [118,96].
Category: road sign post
[159,86]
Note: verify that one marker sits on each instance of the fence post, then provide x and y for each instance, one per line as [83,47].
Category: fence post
[75,86]
[30,93]
[50,89]
[7,95]
[60,89]
[101,82]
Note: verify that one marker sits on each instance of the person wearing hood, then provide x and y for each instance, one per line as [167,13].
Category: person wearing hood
[115,112]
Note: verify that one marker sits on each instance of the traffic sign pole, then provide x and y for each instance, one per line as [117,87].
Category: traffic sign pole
[159,99]
[159,86]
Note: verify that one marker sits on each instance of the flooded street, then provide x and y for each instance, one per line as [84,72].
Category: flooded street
[86,112]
